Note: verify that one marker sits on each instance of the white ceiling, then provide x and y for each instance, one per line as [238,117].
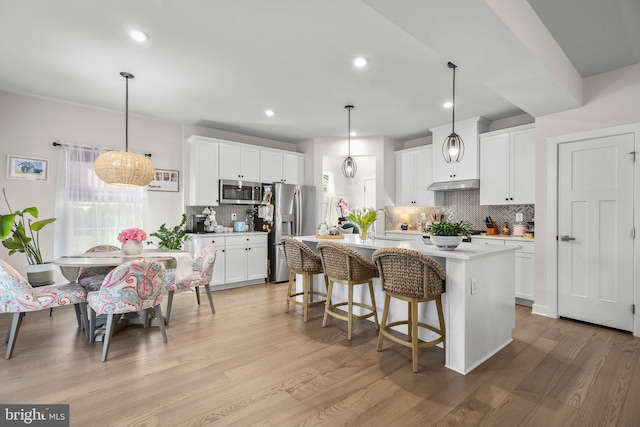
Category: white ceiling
[222,63]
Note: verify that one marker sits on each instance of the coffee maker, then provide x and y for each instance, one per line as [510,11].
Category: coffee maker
[198,224]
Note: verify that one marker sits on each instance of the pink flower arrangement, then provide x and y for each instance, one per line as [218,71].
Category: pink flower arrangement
[132,234]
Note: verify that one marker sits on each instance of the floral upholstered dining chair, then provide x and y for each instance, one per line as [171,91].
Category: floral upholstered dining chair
[134,286]
[91,278]
[202,273]
[18,297]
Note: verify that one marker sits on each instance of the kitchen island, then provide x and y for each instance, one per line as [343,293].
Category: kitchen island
[478,303]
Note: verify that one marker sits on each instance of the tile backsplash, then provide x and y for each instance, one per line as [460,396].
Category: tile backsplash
[223,214]
[461,205]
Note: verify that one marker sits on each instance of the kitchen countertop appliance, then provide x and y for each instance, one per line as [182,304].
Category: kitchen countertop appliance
[294,214]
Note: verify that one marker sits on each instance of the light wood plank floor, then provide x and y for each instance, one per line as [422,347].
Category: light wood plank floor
[251,364]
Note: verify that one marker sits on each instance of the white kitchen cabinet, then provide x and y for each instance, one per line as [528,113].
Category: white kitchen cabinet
[467,168]
[280,166]
[239,162]
[203,171]
[246,257]
[524,258]
[507,166]
[413,176]
[199,241]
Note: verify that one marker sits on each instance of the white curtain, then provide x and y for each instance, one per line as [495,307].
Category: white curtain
[90,212]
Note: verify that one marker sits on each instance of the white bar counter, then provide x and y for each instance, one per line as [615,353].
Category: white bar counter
[478,303]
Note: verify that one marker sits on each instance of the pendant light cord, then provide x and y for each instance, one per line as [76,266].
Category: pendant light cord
[126,116]
[453,107]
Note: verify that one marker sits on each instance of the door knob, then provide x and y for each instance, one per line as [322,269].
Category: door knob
[567,238]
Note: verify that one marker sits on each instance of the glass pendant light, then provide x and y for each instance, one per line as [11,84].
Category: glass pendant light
[349,167]
[123,167]
[453,147]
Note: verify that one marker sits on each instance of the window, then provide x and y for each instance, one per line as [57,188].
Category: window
[90,212]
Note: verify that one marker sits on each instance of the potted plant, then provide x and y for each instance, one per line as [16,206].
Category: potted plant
[447,235]
[171,238]
[20,234]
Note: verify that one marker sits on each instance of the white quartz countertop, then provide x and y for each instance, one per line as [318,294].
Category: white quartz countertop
[465,251]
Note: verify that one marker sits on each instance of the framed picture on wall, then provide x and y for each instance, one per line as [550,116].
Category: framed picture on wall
[165,180]
[29,168]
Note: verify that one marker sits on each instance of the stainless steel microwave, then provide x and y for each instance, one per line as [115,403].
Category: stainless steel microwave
[240,192]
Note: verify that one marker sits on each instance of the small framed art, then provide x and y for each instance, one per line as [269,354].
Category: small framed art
[29,168]
[165,180]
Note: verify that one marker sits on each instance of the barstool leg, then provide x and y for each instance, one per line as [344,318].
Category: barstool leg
[414,327]
[350,313]
[291,274]
[443,329]
[409,329]
[305,297]
[373,304]
[385,313]
[327,304]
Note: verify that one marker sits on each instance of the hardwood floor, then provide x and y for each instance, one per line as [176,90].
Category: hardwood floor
[252,364]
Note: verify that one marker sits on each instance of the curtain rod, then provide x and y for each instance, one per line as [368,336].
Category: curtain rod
[88,147]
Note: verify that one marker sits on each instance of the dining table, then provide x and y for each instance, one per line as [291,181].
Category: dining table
[178,263]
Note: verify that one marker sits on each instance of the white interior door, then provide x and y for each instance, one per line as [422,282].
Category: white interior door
[369,188]
[595,230]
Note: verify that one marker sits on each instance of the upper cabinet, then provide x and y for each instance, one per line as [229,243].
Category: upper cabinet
[239,162]
[413,176]
[203,171]
[281,166]
[468,167]
[507,166]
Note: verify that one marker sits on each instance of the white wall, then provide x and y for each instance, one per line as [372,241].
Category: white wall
[28,126]
[610,99]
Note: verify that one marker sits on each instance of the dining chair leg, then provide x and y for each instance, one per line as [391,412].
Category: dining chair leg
[291,276]
[197,289]
[14,328]
[83,316]
[107,336]
[162,328]
[78,316]
[350,312]
[207,289]
[385,313]
[92,325]
[169,303]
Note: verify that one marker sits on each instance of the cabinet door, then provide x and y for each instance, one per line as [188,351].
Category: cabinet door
[423,177]
[218,277]
[524,275]
[250,169]
[523,166]
[293,168]
[271,166]
[494,170]
[236,263]
[230,162]
[405,178]
[257,262]
[203,173]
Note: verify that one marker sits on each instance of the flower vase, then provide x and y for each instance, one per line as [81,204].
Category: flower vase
[131,247]
[364,232]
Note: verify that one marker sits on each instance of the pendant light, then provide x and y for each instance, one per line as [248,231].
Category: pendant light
[123,167]
[349,167]
[453,147]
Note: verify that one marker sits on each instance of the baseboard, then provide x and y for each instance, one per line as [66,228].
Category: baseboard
[540,310]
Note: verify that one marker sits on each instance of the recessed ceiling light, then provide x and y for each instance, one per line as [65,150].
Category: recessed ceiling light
[353,133]
[448,104]
[269,113]
[139,36]
[360,61]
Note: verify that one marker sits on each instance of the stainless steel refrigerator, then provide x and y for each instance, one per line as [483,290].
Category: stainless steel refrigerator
[294,214]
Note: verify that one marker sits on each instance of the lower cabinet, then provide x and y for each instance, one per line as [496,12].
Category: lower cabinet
[524,263]
[239,258]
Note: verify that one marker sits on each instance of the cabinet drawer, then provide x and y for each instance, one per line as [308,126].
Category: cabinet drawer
[247,239]
[498,242]
[209,240]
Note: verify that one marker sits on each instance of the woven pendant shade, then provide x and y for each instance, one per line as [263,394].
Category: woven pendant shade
[124,168]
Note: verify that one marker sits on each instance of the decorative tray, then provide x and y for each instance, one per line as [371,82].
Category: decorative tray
[327,236]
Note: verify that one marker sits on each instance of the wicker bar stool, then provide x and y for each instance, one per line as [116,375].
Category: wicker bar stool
[413,277]
[302,260]
[346,266]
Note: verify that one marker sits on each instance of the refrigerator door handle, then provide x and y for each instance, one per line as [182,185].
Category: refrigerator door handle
[298,212]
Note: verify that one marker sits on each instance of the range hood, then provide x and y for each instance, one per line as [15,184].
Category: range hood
[465,184]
